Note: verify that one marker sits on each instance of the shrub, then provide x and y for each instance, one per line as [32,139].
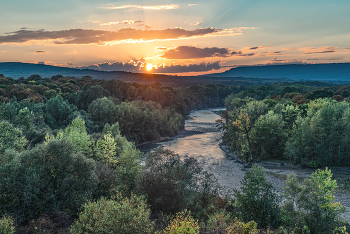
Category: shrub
[45,178]
[312,203]
[168,181]
[182,223]
[7,225]
[257,201]
[122,215]
[239,227]
[52,222]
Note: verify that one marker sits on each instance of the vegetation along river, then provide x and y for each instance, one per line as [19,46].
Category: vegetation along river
[201,139]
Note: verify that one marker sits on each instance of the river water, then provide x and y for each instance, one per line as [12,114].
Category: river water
[201,138]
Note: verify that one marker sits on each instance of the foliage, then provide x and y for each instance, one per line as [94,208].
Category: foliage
[11,137]
[44,178]
[257,201]
[168,181]
[7,225]
[128,168]
[312,203]
[182,223]
[239,227]
[76,133]
[57,112]
[107,149]
[121,215]
[312,134]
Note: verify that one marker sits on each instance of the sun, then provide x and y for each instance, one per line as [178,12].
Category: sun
[149,67]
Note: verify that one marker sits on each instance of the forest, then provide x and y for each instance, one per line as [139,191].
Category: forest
[69,162]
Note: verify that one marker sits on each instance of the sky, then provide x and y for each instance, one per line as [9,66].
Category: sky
[174,37]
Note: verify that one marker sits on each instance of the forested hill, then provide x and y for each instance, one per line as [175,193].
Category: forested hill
[326,72]
[17,70]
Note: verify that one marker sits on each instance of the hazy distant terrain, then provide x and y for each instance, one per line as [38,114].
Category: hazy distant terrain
[324,72]
[251,75]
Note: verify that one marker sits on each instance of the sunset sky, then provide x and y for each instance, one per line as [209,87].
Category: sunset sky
[175,37]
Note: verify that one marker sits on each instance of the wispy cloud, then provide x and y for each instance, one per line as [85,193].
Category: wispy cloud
[285,61]
[193,24]
[122,22]
[189,52]
[320,50]
[140,7]
[103,37]
[240,53]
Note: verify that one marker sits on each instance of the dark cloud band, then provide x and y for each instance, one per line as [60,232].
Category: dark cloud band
[189,52]
[89,36]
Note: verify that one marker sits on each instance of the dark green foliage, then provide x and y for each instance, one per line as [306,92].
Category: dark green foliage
[87,95]
[145,121]
[167,181]
[45,178]
[121,215]
[102,111]
[312,203]
[257,199]
[57,112]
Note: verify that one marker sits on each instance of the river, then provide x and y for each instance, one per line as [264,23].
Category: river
[201,138]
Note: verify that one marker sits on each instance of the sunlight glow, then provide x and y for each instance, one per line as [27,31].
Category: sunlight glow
[149,67]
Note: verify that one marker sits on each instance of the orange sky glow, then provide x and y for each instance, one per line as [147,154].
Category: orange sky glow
[174,37]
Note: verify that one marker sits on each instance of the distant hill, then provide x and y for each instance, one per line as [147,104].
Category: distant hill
[323,72]
[17,70]
[250,75]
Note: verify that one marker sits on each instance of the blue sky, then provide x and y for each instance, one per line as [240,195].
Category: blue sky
[180,37]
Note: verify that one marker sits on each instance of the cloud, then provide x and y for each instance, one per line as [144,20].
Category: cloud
[193,24]
[320,50]
[126,35]
[192,4]
[116,66]
[268,53]
[202,67]
[40,52]
[240,53]
[140,7]
[285,61]
[138,66]
[161,48]
[189,52]
[92,21]
[122,22]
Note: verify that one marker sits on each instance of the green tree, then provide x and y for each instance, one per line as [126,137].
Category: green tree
[44,178]
[76,133]
[102,111]
[121,215]
[57,112]
[107,149]
[7,225]
[257,199]
[317,200]
[11,137]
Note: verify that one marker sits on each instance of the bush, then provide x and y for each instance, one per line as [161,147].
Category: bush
[312,203]
[45,178]
[182,223]
[122,215]
[239,227]
[52,222]
[7,225]
[168,181]
[257,201]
